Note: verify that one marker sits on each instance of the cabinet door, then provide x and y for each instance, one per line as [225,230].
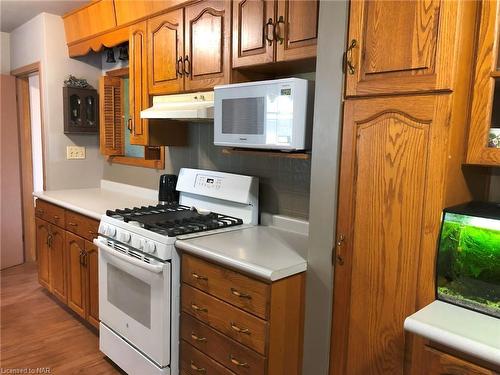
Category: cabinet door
[296,29]
[91,265]
[396,45]
[57,263]
[439,363]
[75,250]
[484,133]
[253,39]
[207,53]
[165,48]
[391,153]
[42,247]
[138,92]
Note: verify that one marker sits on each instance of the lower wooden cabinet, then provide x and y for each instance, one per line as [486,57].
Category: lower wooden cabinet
[440,363]
[68,261]
[220,334]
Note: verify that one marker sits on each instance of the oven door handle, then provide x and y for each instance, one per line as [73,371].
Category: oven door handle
[135,262]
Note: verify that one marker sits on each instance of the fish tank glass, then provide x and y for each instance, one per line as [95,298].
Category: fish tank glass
[468,260]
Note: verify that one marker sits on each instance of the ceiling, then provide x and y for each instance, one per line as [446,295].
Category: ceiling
[14,13]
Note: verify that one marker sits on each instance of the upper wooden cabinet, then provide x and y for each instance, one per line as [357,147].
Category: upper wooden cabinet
[165,43]
[207,48]
[129,11]
[484,132]
[265,31]
[404,46]
[138,96]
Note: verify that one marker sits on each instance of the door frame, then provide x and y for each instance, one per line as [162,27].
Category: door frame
[25,150]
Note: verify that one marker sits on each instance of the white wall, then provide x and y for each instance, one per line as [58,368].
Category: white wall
[36,131]
[42,39]
[4,53]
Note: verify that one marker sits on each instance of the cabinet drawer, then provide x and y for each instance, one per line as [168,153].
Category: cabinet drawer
[194,362]
[439,363]
[230,286]
[49,212]
[224,350]
[81,225]
[233,322]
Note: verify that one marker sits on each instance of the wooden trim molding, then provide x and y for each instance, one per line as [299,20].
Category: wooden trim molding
[139,162]
[24,71]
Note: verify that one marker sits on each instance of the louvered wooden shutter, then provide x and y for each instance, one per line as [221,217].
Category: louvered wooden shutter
[112,133]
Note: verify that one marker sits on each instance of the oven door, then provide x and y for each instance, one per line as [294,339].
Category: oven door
[134,301]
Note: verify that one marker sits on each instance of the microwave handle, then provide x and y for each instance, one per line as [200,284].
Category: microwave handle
[135,262]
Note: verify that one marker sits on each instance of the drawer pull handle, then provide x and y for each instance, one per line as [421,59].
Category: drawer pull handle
[40,211]
[56,217]
[240,294]
[199,277]
[72,224]
[239,330]
[197,338]
[201,370]
[92,233]
[198,308]
[234,361]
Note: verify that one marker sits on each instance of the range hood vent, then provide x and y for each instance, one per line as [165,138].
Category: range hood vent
[197,106]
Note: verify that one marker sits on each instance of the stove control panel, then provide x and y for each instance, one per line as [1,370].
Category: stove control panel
[208,182]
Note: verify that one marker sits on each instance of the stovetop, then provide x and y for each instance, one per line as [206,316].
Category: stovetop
[173,219]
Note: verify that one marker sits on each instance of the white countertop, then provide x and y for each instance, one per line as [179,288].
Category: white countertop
[267,252]
[94,202]
[458,328]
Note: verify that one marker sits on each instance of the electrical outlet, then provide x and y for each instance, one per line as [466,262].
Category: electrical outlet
[75,152]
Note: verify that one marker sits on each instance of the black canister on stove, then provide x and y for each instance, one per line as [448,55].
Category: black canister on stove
[166,192]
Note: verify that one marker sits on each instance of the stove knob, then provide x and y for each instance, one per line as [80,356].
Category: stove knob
[111,231]
[138,243]
[150,247]
[103,228]
[124,237]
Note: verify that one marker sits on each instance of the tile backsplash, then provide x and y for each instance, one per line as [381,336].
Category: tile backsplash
[284,182]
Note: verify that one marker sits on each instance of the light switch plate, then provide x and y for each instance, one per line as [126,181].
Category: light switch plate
[75,152]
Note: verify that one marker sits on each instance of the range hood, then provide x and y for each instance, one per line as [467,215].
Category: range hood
[197,106]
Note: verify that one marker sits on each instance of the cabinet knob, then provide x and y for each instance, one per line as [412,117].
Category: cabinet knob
[277,30]
[201,370]
[234,327]
[180,67]
[198,308]
[348,65]
[195,337]
[199,277]
[73,224]
[187,66]
[268,25]
[236,362]
[240,294]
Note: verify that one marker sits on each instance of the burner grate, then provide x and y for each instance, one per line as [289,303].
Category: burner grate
[173,219]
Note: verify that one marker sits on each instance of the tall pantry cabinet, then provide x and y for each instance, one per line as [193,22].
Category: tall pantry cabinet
[408,70]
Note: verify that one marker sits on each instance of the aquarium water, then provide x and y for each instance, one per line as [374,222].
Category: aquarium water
[468,261]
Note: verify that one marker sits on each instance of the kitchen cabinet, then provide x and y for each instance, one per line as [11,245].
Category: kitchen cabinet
[57,262]
[399,168]
[440,363]
[80,111]
[75,247]
[484,133]
[42,246]
[165,43]
[92,283]
[67,259]
[269,31]
[138,93]
[207,44]
[233,323]
[405,46]
[51,258]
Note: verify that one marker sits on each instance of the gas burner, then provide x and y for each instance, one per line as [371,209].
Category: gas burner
[173,220]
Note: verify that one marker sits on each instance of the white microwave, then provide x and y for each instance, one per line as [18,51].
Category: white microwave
[274,114]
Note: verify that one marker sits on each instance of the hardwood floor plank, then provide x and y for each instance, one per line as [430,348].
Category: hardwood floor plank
[38,332]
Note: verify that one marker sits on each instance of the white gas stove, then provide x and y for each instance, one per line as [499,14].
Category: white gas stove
[139,267]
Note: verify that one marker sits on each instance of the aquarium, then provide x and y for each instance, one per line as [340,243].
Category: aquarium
[468,260]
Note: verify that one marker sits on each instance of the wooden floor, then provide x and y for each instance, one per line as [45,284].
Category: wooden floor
[38,332]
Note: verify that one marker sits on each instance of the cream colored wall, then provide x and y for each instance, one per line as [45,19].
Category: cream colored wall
[495,186]
[4,53]
[42,39]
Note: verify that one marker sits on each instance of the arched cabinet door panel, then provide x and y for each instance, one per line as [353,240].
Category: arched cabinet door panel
[207,49]
[394,155]
[58,263]
[165,51]
[42,246]
[75,249]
